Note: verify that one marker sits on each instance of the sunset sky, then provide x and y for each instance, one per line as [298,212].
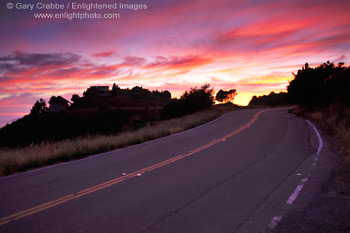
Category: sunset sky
[250,45]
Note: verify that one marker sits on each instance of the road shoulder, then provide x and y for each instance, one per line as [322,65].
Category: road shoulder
[329,208]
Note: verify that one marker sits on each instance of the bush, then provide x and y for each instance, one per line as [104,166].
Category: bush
[191,101]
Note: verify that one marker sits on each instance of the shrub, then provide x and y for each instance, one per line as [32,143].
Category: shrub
[191,101]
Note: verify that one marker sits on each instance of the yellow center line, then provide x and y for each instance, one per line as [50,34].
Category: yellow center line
[84,192]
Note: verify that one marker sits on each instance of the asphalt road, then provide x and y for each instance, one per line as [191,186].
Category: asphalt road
[243,172]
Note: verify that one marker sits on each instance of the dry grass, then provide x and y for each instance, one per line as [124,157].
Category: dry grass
[22,159]
[335,121]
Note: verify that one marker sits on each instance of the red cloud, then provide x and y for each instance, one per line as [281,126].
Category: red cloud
[103,54]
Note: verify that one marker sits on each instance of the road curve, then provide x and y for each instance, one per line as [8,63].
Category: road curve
[240,173]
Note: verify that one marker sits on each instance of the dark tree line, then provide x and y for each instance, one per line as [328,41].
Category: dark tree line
[312,87]
[323,85]
[273,99]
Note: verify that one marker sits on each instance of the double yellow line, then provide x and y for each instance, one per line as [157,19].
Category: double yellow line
[84,192]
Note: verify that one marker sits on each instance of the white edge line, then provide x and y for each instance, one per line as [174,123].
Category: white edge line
[275,220]
[113,151]
[320,146]
[295,194]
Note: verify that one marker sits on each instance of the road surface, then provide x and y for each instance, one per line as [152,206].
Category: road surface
[243,172]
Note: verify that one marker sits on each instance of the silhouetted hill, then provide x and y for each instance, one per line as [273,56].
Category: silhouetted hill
[94,113]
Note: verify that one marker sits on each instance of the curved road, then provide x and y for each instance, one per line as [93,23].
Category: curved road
[240,173]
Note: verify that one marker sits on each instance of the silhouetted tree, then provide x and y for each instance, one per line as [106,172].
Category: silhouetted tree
[226,96]
[39,107]
[220,96]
